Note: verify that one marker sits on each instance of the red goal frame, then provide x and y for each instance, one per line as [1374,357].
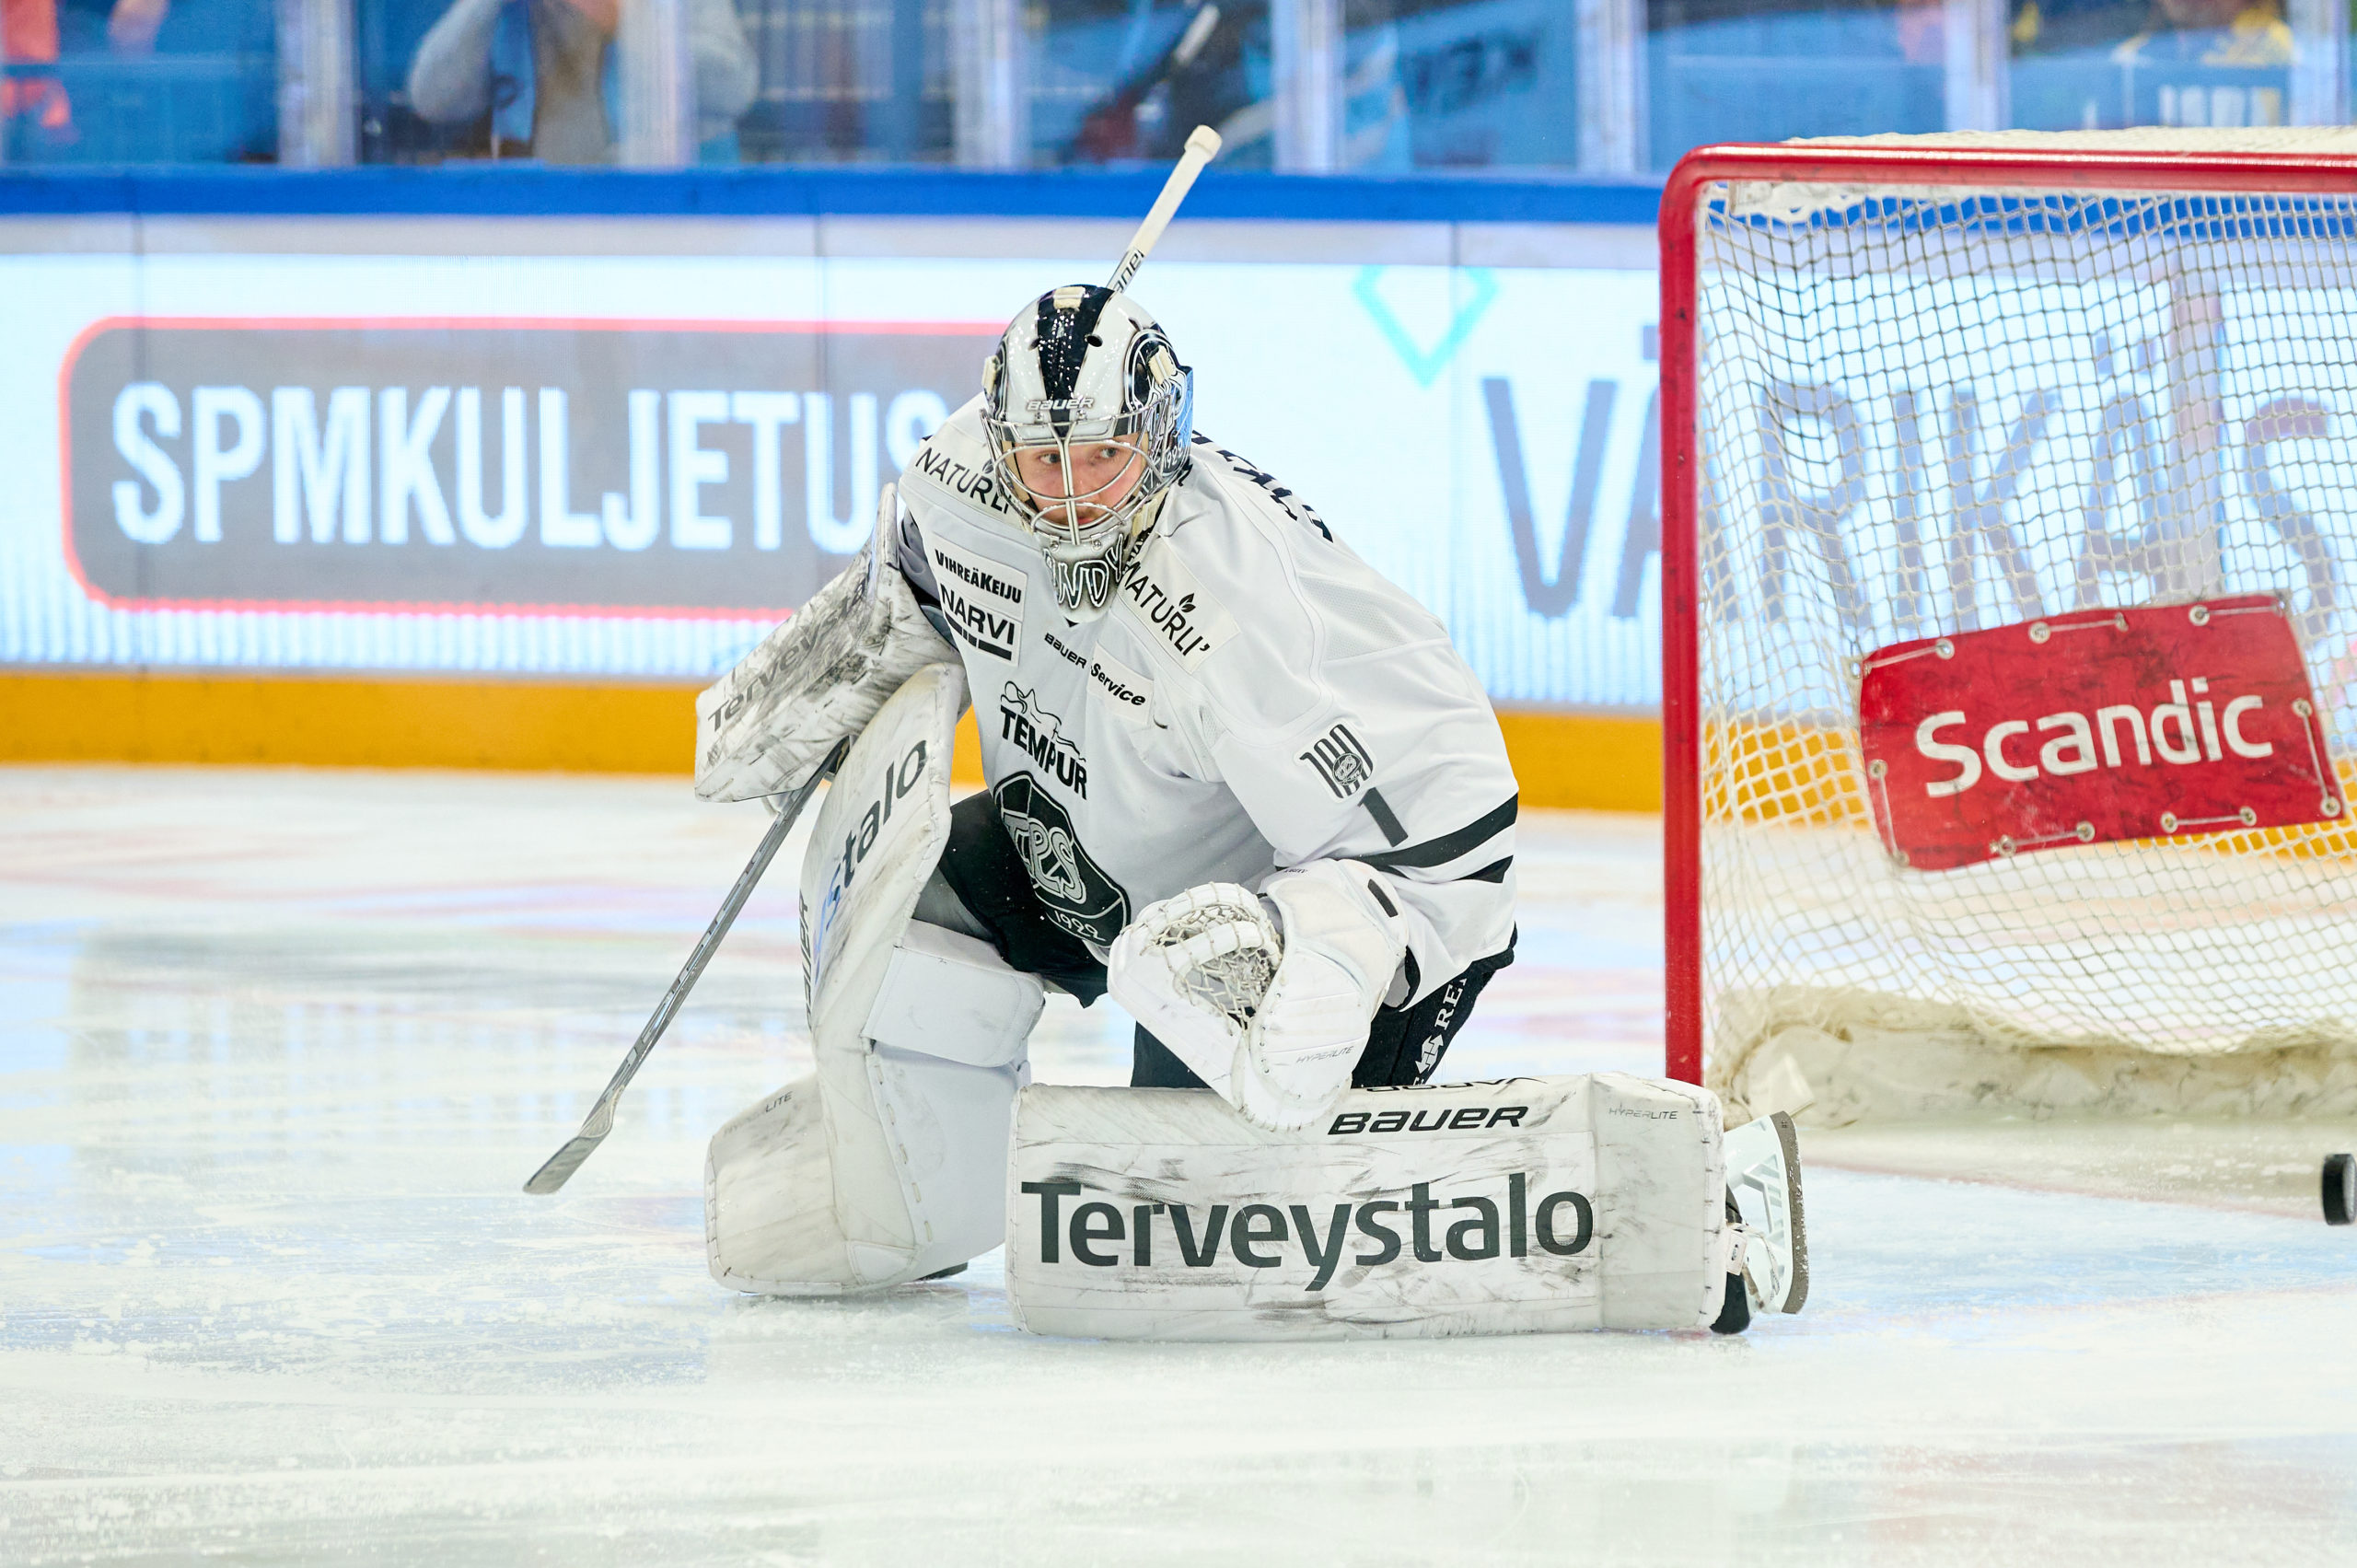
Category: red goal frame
[2055,169]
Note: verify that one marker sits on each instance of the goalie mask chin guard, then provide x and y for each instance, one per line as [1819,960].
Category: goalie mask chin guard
[1078,370]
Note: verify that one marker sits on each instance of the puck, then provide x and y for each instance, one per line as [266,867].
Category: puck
[2340,1188]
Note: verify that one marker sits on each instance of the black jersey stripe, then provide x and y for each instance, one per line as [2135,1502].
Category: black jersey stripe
[1440,851]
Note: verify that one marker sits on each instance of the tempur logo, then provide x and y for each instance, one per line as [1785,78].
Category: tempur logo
[1469,1227]
[1022,721]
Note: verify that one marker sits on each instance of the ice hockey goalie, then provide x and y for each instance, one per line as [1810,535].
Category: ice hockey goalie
[1246,785]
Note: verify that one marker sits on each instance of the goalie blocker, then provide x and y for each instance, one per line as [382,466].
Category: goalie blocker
[1518,1206]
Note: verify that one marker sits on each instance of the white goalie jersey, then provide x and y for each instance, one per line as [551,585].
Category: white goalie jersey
[1257,698]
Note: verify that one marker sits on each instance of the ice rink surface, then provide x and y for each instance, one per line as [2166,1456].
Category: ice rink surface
[278,1048]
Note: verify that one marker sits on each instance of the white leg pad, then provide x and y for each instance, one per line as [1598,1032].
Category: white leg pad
[948,1037]
[888,1161]
[947,995]
[903,1174]
[1524,1206]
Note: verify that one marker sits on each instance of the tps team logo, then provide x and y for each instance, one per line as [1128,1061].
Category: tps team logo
[1342,760]
[1022,721]
[1078,895]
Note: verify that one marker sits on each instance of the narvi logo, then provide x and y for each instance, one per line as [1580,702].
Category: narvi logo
[986,629]
[982,600]
[1022,721]
[1259,1235]
[1342,760]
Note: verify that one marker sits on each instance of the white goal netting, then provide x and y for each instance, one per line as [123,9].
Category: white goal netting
[1933,407]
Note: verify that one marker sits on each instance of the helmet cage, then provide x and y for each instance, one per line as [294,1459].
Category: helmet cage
[1085,539]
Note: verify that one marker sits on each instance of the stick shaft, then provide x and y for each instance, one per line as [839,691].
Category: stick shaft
[600,1119]
[1202,146]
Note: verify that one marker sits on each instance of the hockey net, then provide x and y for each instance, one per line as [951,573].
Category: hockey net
[1916,385]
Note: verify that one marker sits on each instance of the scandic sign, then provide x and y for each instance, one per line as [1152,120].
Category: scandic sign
[537,467]
[2092,727]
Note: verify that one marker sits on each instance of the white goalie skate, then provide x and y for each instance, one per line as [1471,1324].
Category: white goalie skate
[1763,1162]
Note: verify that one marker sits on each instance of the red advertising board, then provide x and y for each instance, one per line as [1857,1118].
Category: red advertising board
[2090,728]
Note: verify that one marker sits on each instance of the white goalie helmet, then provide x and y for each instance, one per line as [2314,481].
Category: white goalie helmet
[1089,415]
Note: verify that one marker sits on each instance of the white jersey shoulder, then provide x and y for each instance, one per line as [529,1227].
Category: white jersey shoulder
[1243,588]
[952,468]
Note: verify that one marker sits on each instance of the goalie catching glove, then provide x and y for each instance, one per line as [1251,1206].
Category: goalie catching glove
[1273,1021]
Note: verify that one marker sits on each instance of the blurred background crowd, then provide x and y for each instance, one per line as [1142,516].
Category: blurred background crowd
[1588,86]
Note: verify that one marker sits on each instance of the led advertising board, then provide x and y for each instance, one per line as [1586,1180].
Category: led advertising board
[277,446]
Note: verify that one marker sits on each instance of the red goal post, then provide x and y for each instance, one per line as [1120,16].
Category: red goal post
[1955,288]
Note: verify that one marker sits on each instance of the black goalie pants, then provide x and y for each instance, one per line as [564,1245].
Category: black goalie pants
[981,868]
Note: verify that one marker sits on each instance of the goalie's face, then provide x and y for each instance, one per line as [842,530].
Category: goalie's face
[1072,484]
[1089,416]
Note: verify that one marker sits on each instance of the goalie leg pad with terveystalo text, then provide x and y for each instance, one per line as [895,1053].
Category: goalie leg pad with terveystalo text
[1523,1205]
[886,1164]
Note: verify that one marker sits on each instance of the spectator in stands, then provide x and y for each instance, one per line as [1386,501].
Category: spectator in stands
[2250,33]
[1216,68]
[130,120]
[131,25]
[2103,64]
[33,105]
[2209,63]
[546,73]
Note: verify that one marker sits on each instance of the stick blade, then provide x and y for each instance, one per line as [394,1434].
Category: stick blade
[563,1164]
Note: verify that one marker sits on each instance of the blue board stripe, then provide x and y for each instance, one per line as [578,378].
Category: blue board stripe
[476,190]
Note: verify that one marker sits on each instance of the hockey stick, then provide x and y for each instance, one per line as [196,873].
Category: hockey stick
[1202,146]
[600,1121]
